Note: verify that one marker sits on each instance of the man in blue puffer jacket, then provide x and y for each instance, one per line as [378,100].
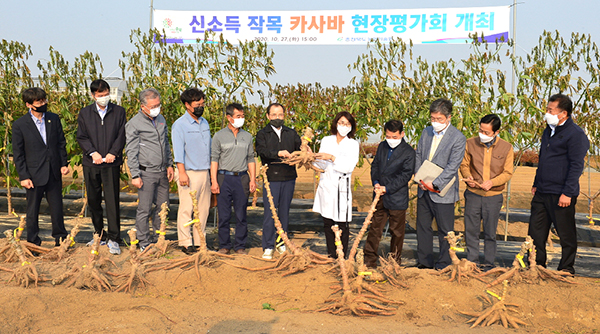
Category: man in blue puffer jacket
[556,185]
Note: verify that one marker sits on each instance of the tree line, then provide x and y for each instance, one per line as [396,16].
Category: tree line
[391,82]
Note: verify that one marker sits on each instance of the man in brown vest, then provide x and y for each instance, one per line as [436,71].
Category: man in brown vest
[486,167]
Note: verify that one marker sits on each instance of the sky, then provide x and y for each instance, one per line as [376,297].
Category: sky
[103,27]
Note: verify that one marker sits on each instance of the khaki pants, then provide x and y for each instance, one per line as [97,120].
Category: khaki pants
[199,180]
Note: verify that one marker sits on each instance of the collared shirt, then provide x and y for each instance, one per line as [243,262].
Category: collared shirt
[101,112]
[277,131]
[435,141]
[490,143]
[191,142]
[40,124]
[233,153]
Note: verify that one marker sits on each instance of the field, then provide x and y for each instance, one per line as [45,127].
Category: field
[226,299]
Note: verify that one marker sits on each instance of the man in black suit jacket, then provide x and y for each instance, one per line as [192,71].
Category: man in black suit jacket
[40,156]
[101,135]
[391,170]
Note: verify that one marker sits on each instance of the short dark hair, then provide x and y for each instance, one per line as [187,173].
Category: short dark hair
[350,119]
[191,95]
[232,107]
[33,94]
[492,119]
[99,85]
[443,106]
[394,126]
[564,102]
[274,104]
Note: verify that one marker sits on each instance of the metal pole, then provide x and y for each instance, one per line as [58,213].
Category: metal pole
[151,12]
[512,90]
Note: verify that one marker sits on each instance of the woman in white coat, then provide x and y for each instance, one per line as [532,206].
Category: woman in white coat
[337,156]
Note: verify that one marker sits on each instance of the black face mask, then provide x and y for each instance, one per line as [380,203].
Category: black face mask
[198,111]
[277,122]
[42,109]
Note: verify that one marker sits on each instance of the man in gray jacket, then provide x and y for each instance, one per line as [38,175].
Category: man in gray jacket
[442,144]
[150,163]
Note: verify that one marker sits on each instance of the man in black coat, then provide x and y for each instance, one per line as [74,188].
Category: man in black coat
[556,184]
[273,142]
[391,170]
[101,135]
[40,156]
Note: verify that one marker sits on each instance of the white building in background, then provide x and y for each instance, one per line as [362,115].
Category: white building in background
[118,87]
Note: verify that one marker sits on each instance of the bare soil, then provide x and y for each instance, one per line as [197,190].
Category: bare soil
[226,300]
[229,300]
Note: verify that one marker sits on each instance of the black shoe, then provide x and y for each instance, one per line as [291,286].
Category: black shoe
[422,266]
[486,267]
[189,250]
[58,241]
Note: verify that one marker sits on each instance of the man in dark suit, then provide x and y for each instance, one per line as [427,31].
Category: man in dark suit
[101,135]
[442,144]
[391,170]
[40,156]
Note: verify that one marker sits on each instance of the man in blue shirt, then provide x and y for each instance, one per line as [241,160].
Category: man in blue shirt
[191,146]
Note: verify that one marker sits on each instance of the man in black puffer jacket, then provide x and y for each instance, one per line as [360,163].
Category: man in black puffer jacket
[392,168]
[556,185]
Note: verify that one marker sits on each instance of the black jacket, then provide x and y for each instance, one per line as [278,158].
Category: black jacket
[102,136]
[561,160]
[33,159]
[394,173]
[268,145]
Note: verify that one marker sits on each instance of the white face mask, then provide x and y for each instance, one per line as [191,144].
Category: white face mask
[103,101]
[393,142]
[343,130]
[485,139]
[238,122]
[552,120]
[154,112]
[438,127]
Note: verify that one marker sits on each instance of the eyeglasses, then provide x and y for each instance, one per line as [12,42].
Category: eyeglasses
[344,124]
[156,106]
[438,119]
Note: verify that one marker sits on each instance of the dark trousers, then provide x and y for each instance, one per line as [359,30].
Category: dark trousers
[330,236]
[282,193]
[544,212]
[153,193]
[478,210]
[397,228]
[98,180]
[234,191]
[427,210]
[53,192]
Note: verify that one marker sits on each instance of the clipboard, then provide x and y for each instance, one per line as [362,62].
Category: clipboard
[429,172]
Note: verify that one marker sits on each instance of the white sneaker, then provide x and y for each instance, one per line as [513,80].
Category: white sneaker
[113,247]
[281,249]
[268,254]
[91,243]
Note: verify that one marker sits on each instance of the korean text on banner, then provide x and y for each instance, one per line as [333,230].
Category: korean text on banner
[338,27]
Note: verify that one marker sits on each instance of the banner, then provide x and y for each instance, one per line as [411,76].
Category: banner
[338,27]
